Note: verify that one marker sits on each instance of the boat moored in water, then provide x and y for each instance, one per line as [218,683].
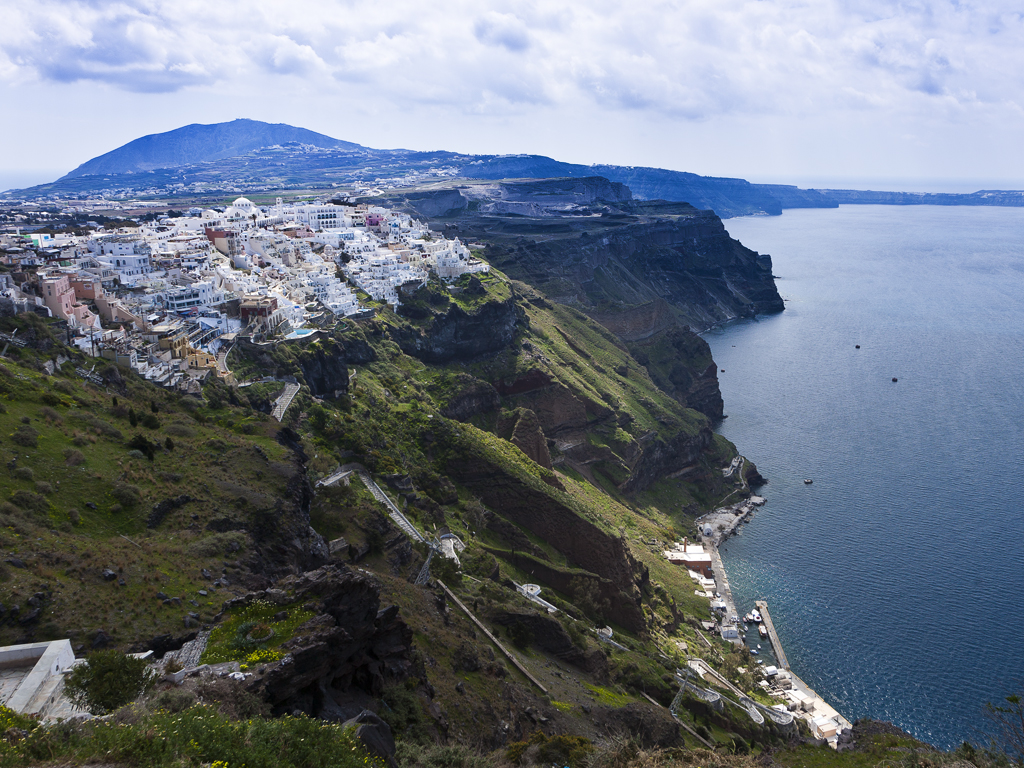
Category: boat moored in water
[762,630]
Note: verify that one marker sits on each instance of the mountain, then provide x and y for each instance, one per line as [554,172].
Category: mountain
[198,143]
[208,163]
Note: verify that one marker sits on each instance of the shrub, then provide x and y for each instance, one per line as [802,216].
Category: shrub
[51,399]
[174,699]
[24,473]
[140,443]
[29,501]
[74,517]
[107,681]
[25,436]
[520,635]
[179,430]
[126,495]
[150,421]
[561,750]
[73,457]
[404,713]
[44,488]
[50,415]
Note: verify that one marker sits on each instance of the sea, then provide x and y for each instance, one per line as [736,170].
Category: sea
[896,579]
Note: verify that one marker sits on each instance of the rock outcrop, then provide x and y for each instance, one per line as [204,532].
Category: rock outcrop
[461,335]
[339,660]
[523,430]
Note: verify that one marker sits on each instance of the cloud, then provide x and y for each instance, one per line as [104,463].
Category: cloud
[690,59]
[502,29]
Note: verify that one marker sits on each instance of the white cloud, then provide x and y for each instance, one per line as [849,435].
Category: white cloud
[672,62]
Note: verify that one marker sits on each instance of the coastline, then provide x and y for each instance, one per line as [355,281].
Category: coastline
[714,529]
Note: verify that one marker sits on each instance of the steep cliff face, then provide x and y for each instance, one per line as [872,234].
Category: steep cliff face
[461,335]
[663,456]
[633,254]
[549,514]
[679,362]
[321,361]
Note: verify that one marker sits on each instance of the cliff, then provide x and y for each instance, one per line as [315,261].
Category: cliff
[458,334]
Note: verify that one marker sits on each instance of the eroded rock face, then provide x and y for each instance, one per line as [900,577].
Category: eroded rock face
[549,635]
[342,657]
[523,430]
[461,335]
[661,457]
[550,518]
[325,364]
[469,396]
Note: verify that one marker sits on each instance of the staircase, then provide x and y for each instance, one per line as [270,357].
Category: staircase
[290,390]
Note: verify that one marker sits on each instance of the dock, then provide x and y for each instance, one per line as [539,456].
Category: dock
[780,654]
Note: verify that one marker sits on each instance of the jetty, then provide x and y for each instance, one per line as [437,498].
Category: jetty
[824,720]
[766,618]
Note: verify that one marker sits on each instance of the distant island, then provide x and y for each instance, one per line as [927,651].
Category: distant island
[249,156]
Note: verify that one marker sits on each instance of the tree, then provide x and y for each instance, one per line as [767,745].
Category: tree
[107,681]
[1008,719]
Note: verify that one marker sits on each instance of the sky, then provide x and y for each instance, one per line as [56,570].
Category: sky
[916,95]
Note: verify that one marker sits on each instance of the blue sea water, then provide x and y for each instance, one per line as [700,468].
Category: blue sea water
[896,580]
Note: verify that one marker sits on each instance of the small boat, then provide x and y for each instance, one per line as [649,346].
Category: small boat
[755,615]
[754,651]
[758,645]
[762,631]
[858,346]
[894,379]
[808,482]
[748,619]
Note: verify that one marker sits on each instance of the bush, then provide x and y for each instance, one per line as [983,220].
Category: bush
[51,399]
[25,436]
[29,501]
[50,415]
[179,430]
[403,713]
[559,750]
[126,495]
[73,457]
[107,681]
[44,488]
[149,421]
[174,699]
[24,473]
[520,635]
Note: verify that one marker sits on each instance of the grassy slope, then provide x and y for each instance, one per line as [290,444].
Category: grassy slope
[383,423]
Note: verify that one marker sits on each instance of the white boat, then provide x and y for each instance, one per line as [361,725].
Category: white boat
[762,631]
[756,615]
[754,651]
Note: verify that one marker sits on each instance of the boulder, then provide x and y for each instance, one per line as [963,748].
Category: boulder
[375,735]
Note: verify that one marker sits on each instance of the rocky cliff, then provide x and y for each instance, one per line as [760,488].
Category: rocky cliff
[338,661]
[461,335]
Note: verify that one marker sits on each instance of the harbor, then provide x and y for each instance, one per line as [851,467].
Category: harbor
[705,565]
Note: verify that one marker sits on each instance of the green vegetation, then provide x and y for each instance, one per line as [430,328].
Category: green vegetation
[108,680]
[252,634]
[196,736]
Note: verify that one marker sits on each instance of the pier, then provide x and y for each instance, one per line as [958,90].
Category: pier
[780,654]
[818,712]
